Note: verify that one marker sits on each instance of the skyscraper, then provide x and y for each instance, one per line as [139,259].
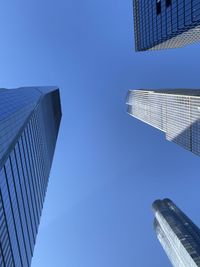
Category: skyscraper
[174,112]
[161,24]
[178,235]
[29,124]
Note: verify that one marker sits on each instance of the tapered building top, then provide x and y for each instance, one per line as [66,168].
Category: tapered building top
[29,124]
[178,235]
[174,112]
[161,24]
[16,107]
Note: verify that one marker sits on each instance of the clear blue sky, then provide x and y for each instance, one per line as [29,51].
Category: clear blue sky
[108,167]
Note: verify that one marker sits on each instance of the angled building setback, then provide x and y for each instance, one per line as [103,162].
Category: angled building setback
[178,235]
[162,24]
[174,112]
[29,124]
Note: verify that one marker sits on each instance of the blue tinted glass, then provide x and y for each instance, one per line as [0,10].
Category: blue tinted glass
[29,124]
[163,24]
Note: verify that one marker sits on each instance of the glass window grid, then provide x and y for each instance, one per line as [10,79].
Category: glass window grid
[35,164]
[32,177]
[179,236]
[26,205]
[9,215]
[185,15]
[37,161]
[27,188]
[22,180]
[15,212]
[20,209]
[176,115]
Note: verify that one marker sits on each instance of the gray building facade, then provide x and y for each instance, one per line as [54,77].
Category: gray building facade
[178,235]
[29,124]
[174,112]
[162,24]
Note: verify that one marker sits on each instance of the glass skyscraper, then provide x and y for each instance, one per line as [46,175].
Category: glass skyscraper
[161,24]
[178,235]
[174,112]
[29,124]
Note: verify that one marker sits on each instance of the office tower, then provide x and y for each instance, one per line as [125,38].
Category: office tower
[161,24]
[174,112]
[178,235]
[29,124]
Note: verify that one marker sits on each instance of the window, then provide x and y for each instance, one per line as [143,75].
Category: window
[168,3]
[158,7]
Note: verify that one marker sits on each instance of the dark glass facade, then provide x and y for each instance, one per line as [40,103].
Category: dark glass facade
[29,124]
[161,24]
[178,235]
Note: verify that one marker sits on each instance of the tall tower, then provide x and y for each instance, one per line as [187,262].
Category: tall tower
[174,112]
[161,24]
[29,124]
[178,235]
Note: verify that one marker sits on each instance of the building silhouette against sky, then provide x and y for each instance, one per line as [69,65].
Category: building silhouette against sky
[29,124]
[178,235]
[161,24]
[174,112]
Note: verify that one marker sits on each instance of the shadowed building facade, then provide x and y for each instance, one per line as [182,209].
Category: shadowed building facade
[161,24]
[174,112]
[29,124]
[178,235]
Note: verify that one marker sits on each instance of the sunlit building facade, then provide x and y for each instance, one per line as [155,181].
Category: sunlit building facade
[178,235]
[174,112]
[161,24]
[29,124]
